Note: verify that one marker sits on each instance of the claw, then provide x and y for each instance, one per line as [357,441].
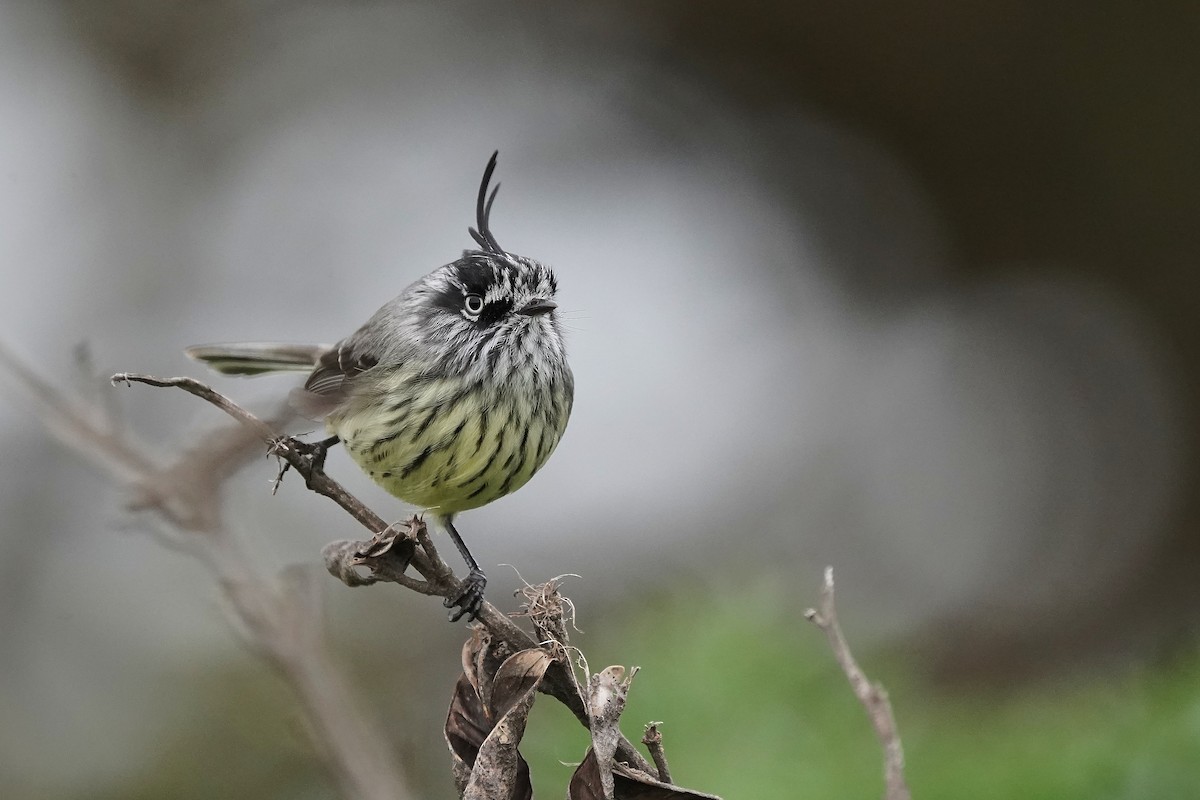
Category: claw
[469,598]
[315,452]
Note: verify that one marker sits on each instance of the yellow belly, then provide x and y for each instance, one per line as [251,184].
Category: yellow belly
[446,448]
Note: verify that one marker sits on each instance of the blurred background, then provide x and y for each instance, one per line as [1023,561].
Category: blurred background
[906,288]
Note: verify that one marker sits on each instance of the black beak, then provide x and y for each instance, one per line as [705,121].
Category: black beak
[537,306]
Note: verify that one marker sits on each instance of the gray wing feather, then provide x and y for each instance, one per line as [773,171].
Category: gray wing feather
[257,358]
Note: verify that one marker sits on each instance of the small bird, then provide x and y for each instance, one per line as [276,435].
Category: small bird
[451,396]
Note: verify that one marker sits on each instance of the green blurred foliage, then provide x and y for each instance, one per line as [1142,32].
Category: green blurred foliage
[754,706]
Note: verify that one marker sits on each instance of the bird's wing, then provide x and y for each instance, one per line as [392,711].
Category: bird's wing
[329,384]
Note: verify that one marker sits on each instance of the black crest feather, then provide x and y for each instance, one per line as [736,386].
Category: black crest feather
[483,210]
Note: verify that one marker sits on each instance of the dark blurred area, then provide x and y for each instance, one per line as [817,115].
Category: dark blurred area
[906,288]
[1060,137]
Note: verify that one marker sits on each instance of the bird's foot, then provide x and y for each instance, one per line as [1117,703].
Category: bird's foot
[312,452]
[469,598]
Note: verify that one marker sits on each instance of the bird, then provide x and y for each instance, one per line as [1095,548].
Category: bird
[452,395]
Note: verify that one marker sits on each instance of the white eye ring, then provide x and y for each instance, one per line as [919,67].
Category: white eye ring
[473,303]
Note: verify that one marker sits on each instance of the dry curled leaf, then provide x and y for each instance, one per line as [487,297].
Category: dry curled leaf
[587,783]
[487,720]
[398,536]
[600,776]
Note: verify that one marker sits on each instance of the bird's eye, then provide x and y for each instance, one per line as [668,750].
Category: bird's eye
[473,303]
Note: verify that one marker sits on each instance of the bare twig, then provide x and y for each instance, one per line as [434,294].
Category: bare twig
[652,738]
[282,623]
[279,445]
[872,695]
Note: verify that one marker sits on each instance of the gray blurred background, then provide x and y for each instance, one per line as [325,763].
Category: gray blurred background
[906,288]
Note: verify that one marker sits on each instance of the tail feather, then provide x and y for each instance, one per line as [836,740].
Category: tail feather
[257,358]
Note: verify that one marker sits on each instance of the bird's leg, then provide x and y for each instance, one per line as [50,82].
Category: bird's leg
[469,598]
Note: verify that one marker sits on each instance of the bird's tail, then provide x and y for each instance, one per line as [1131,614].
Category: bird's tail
[257,358]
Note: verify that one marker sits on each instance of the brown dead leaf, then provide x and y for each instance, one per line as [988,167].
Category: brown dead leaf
[628,784]
[600,776]
[487,720]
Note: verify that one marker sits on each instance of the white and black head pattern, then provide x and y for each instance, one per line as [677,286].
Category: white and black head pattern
[490,311]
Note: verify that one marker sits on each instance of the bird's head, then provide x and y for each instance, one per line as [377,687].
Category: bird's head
[490,313]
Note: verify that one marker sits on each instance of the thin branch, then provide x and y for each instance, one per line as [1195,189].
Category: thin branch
[278,444]
[652,738]
[872,695]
